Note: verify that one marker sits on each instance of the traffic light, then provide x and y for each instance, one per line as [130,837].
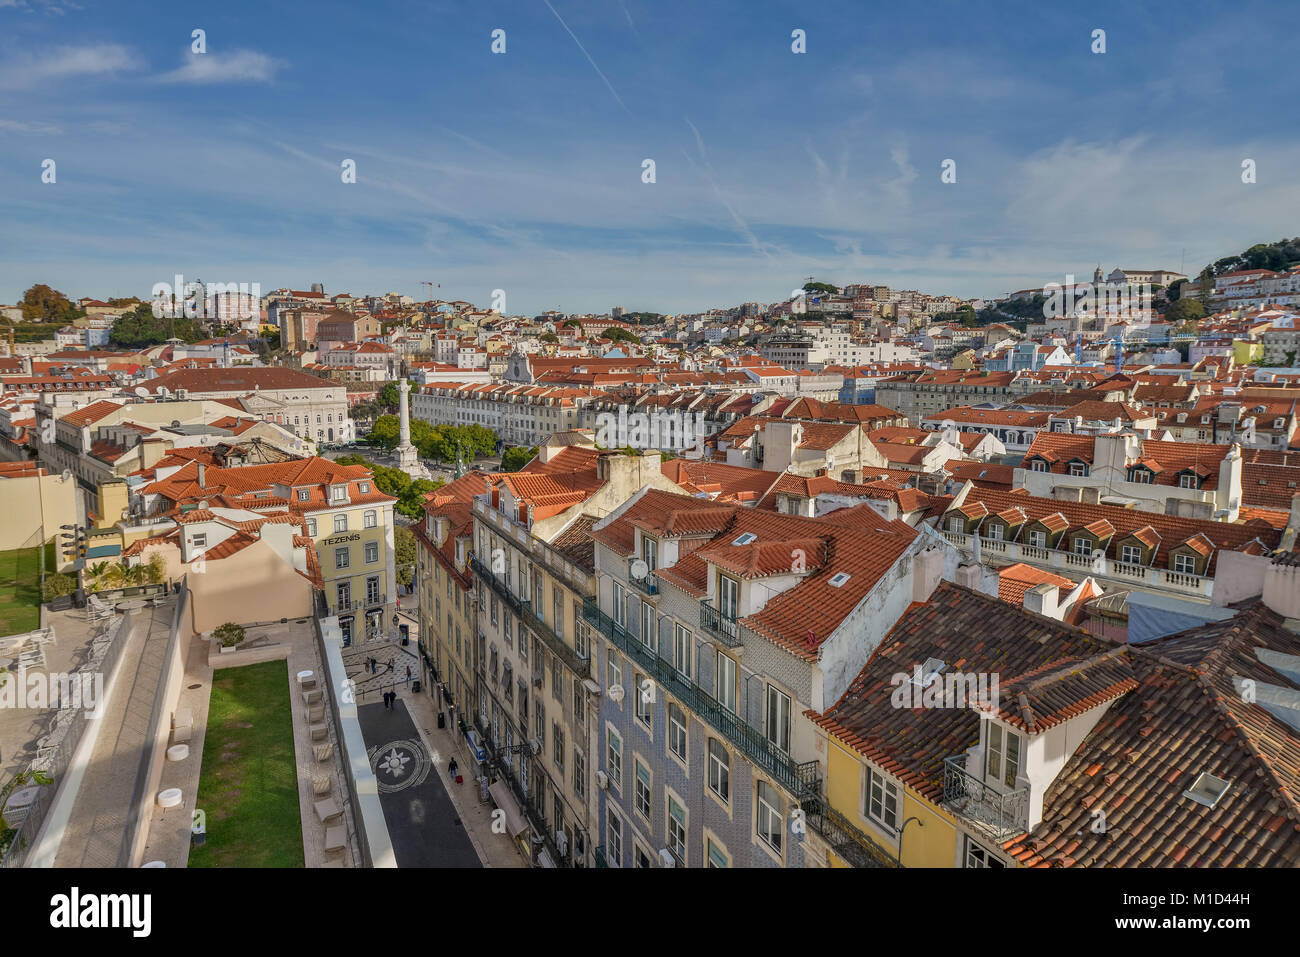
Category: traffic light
[74,542]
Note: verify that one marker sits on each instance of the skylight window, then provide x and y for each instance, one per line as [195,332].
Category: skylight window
[929,672]
[1208,789]
[745,539]
[838,579]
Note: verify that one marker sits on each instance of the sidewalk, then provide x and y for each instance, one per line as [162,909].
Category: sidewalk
[494,850]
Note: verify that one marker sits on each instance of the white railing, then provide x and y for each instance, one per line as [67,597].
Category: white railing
[1126,573]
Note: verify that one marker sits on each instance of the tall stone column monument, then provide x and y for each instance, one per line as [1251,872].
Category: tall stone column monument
[408,458]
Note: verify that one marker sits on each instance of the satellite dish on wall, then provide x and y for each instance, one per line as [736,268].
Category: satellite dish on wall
[142,392]
[203,503]
[67,474]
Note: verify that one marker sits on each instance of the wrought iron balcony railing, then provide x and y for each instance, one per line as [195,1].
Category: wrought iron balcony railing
[847,840]
[720,625]
[999,814]
[502,590]
[798,779]
[648,583]
[578,665]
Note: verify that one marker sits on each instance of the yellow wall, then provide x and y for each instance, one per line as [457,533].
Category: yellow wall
[31,504]
[257,586]
[930,841]
[111,501]
[1245,352]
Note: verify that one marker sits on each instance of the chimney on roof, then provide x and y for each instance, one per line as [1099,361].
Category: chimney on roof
[203,475]
[1042,600]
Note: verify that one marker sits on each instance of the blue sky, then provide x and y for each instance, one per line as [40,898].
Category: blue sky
[522,171]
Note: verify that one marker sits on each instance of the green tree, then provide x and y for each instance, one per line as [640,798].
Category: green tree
[821,287]
[548,337]
[615,334]
[1175,290]
[1185,310]
[41,303]
[140,327]
[404,554]
[516,458]
[389,397]
[1205,287]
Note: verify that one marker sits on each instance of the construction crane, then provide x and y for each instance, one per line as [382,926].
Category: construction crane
[432,285]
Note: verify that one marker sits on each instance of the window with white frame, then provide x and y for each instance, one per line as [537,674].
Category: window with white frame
[1188,480]
[682,648]
[716,855]
[724,682]
[341,522]
[1083,545]
[372,552]
[677,730]
[1078,469]
[1184,564]
[342,557]
[369,518]
[770,817]
[613,669]
[311,527]
[882,800]
[977,856]
[1037,538]
[676,829]
[778,718]
[642,798]
[1003,755]
[620,605]
[649,630]
[643,691]
[614,759]
[1130,554]
[719,769]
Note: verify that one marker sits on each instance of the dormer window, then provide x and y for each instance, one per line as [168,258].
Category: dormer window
[957,524]
[338,493]
[1078,468]
[304,494]
[1189,480]
[1141,475]
[1038,465]
[363,487]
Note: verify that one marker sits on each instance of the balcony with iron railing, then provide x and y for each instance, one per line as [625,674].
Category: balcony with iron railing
[578,665]
[798,779]
[503,591]
[999,814]
[719,624]
[846,839]
[647,583]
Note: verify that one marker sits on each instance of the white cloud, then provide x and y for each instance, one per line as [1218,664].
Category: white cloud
[238,66]
[17,126]
[30,70]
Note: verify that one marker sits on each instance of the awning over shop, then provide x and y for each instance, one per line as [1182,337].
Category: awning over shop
[504,798]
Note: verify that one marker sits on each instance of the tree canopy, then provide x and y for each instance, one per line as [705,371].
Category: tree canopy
[821,287]
[140,327]
[41,303]
[615,334]
[1184,310]
[435,441]
[516,458]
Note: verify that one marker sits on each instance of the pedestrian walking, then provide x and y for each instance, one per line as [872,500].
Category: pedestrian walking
[451,768]
[408,672]
[388,700]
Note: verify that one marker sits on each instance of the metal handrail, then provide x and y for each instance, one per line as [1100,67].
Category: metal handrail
[750,740]
[1002,814]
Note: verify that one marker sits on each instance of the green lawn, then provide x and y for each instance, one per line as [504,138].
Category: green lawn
[20,589]
[248,787]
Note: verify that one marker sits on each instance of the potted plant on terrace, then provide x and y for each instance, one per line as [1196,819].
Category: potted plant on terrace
[228,636]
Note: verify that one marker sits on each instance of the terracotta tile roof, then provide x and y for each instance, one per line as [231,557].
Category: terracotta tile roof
[575,544]
[91,413]
[1187,716]
[1015,580]
[1171,529]
[971,633]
